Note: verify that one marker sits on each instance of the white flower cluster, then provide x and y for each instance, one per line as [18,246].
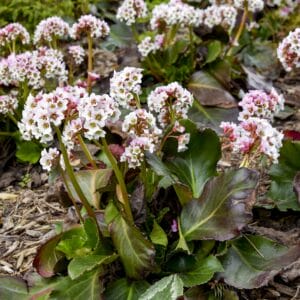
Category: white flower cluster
[32,67]
[96,111]
[49,29]
[253,5]
[130,10]
[288,51]
[254,132]
[259,104]
[77,53]
[149,45]
[141,127]
[8,103]
[170,102]
[89,24]
[12,32]
[125,86]
[175,13]
[49,158]
[223,15]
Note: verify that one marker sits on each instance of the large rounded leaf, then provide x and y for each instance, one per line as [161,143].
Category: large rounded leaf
[252,261]
[283,176]
[196,165]
[208,91]
[136,252]
[223,209]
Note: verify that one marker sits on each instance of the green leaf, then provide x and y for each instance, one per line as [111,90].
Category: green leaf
[170,287]
[173,52]
[223,209]
[213,51]
[47,257]
[136,252]
[161,169]
[87,286]
[90,182]
[203,272]
[13,289]
[253,261]
[197,164]
[158,236]
[92,234]
[28,151]
[122,289]
[283,174]
[80,265]
[208,91]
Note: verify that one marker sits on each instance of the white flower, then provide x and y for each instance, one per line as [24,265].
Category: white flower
[12,32]
[149,45]
[8,103]
[49,29]
[77,53]
[89,24]
[125,86]
[130,10]
[49,158]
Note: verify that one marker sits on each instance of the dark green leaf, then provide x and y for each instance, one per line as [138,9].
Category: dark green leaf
[223,209]
[213,51]
[197,164]
[47,257]
[203,272]
[253,261]
[28,151]
[208,91]
[90,182]
[170,287]
[283,175]
[122,289]
[158,236]
[13,289]
[80,265]
[136,252]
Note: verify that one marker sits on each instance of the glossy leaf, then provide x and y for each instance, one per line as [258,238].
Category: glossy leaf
[213,51]
[158,236]
[47,257]
[208,91]
[223,209]
[204,271]
[283,174]
[13,288]
[135,251]
[122,289]
[170,287]
[252,261]
[196,165]
[80,265]
[90,182]
[28,151]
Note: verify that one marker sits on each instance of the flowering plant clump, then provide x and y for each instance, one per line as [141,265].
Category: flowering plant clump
[288,51]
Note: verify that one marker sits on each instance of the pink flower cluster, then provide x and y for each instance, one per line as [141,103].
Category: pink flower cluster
[91,25]
[49,158]
[254,133]
[260,104]
[130,10]
[288,51]
[13,32]
[49,29]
